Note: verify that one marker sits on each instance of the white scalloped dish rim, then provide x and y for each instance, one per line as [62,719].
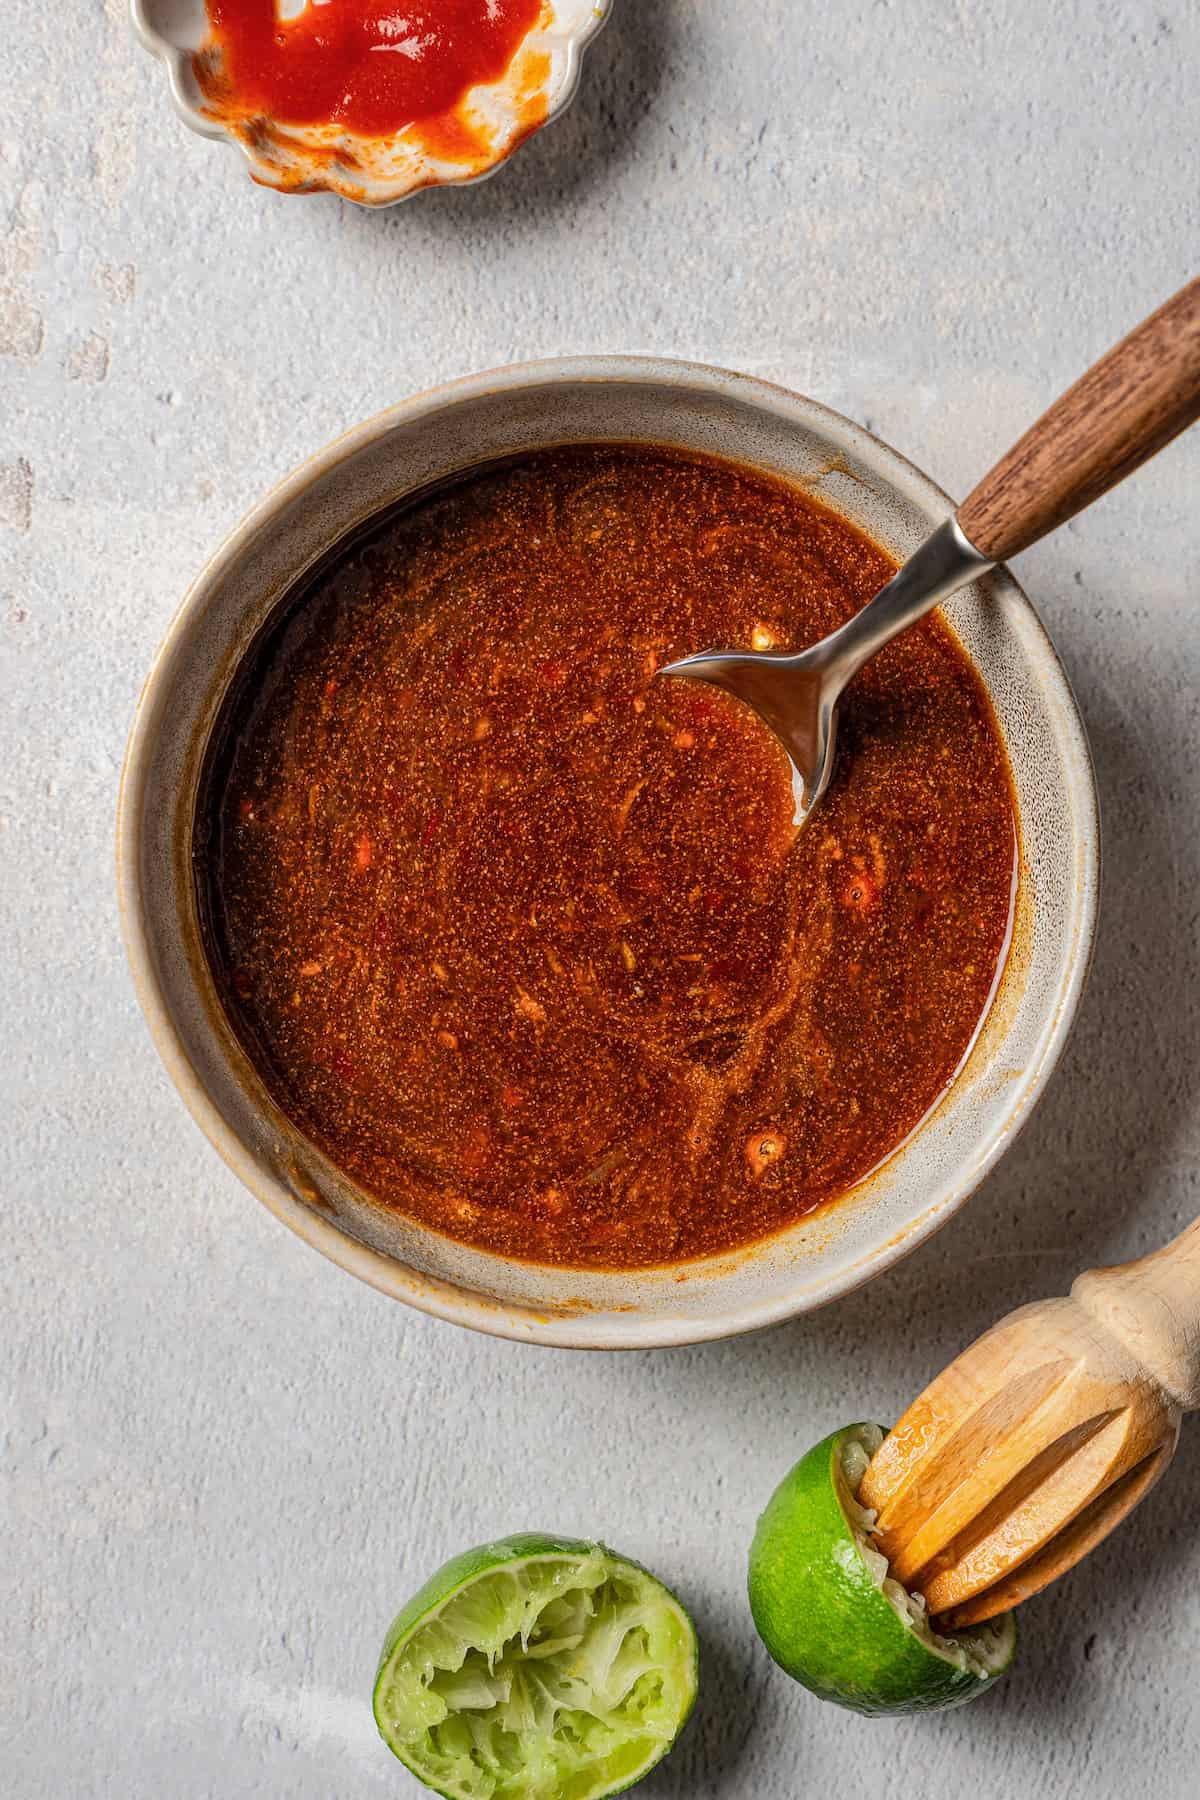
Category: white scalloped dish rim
[537,85]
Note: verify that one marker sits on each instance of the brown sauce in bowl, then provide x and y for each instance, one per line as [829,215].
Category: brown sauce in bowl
[524,937]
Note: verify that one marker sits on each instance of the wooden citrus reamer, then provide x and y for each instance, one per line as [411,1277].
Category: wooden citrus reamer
[1039,1439]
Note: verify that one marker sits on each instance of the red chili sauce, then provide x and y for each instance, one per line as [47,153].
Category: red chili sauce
[374,66]
[525,938]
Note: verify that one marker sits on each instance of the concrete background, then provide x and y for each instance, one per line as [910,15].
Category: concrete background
[224,1462]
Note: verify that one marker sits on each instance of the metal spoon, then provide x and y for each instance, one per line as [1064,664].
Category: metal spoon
[1127,406]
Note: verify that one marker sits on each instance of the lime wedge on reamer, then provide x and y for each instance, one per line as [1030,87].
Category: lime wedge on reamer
[536,1668]
[831,1615]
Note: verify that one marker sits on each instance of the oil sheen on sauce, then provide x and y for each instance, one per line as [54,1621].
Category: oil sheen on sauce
[372,66]
[524,937]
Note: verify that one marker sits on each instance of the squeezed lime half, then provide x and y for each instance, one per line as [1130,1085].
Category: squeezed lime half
[536,1668]
[831,1615]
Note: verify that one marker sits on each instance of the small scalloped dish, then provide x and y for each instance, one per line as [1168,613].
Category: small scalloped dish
[489,122]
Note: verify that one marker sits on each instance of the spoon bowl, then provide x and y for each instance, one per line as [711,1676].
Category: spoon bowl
[796,693]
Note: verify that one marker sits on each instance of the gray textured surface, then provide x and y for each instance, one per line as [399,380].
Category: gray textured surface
[224,1462]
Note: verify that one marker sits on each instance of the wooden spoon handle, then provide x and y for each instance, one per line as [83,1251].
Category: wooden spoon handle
[1127,406]
[1153,1307]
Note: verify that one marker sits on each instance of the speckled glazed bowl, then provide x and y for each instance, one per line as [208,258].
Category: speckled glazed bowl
[444,433]
[539,82]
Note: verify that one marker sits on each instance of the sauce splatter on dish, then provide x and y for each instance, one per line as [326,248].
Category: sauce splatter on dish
[525,938]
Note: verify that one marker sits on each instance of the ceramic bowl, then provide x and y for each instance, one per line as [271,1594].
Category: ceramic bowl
[539,82]
[442,434]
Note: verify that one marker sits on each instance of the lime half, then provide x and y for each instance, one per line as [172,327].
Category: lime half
[830,1614]
[536,1668]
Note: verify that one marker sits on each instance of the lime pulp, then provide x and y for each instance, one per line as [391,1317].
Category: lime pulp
[536,1668]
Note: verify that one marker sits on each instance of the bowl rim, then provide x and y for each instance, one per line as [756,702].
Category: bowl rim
[462,1305]
[177,60]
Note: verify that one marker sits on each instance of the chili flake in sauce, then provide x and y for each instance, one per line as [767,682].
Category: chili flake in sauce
[525,938]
